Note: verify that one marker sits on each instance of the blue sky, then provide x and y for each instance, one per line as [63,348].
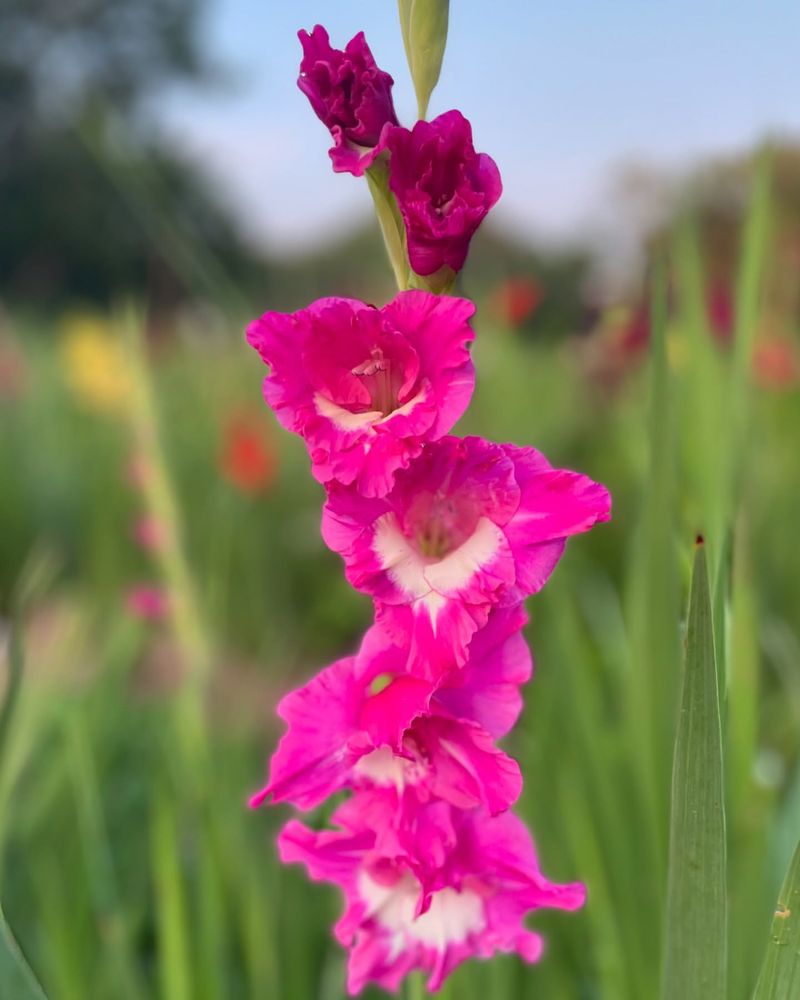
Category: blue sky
[562,94]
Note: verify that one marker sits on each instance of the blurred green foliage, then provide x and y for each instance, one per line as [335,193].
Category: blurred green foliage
[129,863]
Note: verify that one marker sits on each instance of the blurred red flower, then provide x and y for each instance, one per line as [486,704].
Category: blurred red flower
[248,459]
[720,312]
[515,300]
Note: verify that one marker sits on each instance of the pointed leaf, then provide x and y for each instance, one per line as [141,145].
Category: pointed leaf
[695,964]
[16,978]
[780,973]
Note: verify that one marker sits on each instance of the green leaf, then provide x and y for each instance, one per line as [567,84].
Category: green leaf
[12,687]
[424,25]
[695,964]
[780,973]
[16,979]
[416,987]
[171,905]
[654,600]
[108,906]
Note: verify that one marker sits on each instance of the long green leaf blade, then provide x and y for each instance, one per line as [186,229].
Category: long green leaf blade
[780,973]
[9,698]
[16,979]
[695,963]
[171,904]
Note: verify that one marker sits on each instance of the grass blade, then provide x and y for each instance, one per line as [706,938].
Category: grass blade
[16,978]
[12,687]
[695,962]
[173,933]
[780,973]
[108,906]
[654,602]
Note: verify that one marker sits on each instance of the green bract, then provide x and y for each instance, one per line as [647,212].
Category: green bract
[424,24]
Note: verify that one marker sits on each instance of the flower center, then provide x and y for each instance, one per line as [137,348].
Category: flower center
[378,377]
[441,521]
[433,539]
[391,897]
[443,204]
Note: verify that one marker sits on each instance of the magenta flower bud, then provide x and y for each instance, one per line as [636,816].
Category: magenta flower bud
[443,188]
[349,95]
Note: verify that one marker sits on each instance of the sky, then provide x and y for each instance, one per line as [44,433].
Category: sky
[563,95]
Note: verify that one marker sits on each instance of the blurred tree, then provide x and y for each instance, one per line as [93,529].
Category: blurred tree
[56,56]
[69,68]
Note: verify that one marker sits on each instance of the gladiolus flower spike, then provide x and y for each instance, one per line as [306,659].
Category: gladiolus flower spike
[448,536]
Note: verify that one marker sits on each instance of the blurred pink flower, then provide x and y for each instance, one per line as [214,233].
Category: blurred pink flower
[349,95]
[444,189]
[147,601]
[148,533]
[720,311]
[138,470]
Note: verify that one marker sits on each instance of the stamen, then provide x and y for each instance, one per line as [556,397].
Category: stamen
[378,370]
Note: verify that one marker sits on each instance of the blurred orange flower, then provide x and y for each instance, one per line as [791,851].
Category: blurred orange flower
[776,363]
[248,459]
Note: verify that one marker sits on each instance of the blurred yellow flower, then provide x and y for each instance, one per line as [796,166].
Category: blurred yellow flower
[678,350]
[94,363]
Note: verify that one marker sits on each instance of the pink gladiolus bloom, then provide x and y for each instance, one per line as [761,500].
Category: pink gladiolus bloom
[468,526]
[461,890]
[444,189]
[364,721]
[349,95]
[146,601]
[148,533]
[366,387]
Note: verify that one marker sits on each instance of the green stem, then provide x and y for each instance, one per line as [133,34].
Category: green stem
[416,988]
[159,500]
[392,227]
[440,282]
